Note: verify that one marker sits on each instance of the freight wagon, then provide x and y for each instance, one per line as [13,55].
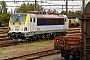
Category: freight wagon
[85,47]
[76,46]
[68,45]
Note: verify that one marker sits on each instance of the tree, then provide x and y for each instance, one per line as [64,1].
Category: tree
[54,10]
[3,7]
[49,10]
[4,18]
[72,14]
[0,10]
[27,7]
[63,12]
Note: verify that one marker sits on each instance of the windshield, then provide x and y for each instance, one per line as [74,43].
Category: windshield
[18,18]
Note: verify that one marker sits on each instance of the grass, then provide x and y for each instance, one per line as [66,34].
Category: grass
[35,44]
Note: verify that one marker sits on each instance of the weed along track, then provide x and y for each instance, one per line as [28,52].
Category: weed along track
[36,55]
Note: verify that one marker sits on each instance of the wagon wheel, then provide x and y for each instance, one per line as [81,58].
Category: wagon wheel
[66,57]
[70,57]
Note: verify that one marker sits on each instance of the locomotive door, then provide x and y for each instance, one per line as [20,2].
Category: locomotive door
[66,23]
[33,24]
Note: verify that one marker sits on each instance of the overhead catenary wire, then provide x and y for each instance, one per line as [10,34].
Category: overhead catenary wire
[44,1]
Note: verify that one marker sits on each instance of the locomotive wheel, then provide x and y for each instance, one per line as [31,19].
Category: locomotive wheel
[15,40]
[30,39]
[51,36]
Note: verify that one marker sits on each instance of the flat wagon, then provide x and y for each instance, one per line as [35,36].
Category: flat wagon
[69,46]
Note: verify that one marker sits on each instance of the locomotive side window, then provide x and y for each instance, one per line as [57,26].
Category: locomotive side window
[60,21]
[34,20]
[50,21]
[65,20]
[30,19]
[41,21]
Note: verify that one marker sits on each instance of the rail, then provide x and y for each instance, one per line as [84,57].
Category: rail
[35,55]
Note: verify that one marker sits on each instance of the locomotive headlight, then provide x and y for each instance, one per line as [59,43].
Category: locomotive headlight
[57,40]
[25,29]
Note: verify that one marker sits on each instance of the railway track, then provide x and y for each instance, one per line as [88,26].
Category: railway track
[74,30]
[32,56]
[5,41]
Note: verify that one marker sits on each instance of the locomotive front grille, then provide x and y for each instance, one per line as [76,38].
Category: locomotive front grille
[17,28]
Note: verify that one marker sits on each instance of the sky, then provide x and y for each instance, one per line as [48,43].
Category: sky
[48,2]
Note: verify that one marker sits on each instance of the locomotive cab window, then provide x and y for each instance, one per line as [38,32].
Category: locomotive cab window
[18,18]
[34,20]
[65,20]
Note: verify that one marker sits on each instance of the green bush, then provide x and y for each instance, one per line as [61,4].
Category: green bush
[4,18]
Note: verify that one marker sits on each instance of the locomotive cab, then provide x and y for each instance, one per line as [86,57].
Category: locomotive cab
[74,22]
[17,24]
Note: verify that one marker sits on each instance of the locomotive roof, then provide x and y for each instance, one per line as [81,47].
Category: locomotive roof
[47,16]
[33,15]
[19,13]
[44,16]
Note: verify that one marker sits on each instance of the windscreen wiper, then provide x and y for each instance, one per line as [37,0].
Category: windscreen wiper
[17,19]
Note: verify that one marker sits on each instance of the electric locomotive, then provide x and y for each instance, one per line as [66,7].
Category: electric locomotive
[27,26]
[74,22]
